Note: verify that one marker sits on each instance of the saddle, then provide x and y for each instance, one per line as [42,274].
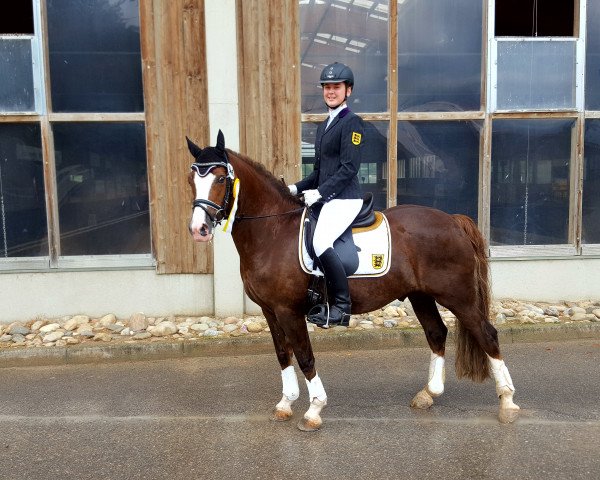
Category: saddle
[344,246]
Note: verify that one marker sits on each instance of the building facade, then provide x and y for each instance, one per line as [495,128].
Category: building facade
[480,107]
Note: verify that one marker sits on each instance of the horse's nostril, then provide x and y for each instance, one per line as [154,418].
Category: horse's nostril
[204,231]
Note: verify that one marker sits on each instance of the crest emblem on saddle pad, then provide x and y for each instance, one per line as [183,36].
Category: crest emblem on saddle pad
[377,261]
[356,138]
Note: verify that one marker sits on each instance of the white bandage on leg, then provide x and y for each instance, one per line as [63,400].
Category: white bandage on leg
[504,383]
[291,389]
[437,374]
[315,389]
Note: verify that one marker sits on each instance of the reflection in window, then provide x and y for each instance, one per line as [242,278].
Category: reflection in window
[592,59]
[350,32]
[23,228]
[438,165]
[16,75]
[591,183]
[95,60]
[439,55]
[372,173]
[530,182]
[102,188]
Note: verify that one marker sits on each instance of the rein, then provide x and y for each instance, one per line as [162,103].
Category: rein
[256,217]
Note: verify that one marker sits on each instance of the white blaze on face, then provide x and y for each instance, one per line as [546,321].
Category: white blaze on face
[199,221]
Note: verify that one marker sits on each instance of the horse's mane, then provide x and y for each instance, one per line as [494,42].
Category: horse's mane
[278,185]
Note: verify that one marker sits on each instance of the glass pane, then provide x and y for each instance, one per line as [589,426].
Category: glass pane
[16,76]
[354,33]
[439,55]
[536,75]
[591,183]
[373,170]
[530,182]
[592,59]
[102,188]
[95,65]
[438,165]
[18,18]
[23,226]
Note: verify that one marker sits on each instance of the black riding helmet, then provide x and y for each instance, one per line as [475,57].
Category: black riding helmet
[337,73]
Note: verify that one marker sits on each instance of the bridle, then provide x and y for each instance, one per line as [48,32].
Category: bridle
[220,211]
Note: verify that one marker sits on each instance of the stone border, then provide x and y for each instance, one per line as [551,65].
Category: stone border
[262,344]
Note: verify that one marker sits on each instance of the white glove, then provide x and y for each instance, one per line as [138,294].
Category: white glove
[311,196]
[293,189]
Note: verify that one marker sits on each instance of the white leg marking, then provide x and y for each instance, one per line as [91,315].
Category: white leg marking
[437,375]
[318,399]
[505,389]
[291,389]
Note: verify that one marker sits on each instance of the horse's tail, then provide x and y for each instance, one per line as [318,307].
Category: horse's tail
[471,360]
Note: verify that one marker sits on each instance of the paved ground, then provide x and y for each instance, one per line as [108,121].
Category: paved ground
[208,418]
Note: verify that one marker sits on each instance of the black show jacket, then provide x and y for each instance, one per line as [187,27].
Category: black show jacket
[338,152]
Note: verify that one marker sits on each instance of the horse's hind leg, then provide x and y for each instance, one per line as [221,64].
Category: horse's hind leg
[435,332]
[284,352]
[478,355]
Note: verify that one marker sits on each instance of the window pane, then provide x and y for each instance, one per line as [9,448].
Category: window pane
[592,60]
[373,171]
[95,61]
[16,76]
[354,33]
[530,18]
[23,226]
[102,188]
[536,75]
[438,165]
[591,183]
[18,18]
[530,182]
[439,55]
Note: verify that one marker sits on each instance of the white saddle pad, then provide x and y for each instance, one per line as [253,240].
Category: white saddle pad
[375,249]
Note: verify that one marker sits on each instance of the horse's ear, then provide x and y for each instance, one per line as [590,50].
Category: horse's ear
[195,150]
[220,141]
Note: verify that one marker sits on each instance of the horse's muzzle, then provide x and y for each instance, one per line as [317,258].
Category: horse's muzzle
[202,234]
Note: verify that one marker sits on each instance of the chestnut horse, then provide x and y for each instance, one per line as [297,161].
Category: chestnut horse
[437,257]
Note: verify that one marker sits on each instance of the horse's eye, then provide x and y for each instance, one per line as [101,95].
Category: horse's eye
[221,179]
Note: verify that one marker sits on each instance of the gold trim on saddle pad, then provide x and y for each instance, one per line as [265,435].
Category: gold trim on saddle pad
[373,226]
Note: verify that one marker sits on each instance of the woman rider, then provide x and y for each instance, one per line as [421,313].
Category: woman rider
[334,181]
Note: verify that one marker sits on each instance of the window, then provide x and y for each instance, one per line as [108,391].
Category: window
[353,32]
[438,165]
[592,59]
[530,182]
[439,55]
[533,18]
[96,171]
[591,183]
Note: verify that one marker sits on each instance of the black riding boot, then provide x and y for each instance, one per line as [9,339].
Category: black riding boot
[337,289]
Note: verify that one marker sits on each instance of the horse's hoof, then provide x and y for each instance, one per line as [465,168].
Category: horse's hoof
[281,415]
[310,424]
[508,415]
[422,400]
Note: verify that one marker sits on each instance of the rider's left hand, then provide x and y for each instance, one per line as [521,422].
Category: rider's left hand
[311,196]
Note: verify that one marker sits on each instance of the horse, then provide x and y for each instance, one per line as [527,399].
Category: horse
[436,257]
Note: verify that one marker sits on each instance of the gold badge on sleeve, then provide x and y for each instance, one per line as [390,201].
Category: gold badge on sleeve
[356,138]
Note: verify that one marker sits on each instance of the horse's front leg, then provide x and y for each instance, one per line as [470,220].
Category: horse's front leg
[294,325]
[291,390]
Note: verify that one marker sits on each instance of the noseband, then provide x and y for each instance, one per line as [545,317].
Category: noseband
[220,211]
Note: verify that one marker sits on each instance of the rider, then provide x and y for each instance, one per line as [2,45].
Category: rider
[334,181]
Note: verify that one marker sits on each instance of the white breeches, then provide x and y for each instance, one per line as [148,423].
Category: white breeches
[334,219]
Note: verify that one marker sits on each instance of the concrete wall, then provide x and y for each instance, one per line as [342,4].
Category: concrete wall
[24,296]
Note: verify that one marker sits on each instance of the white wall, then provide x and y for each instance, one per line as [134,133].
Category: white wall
[548,280]
[24,296]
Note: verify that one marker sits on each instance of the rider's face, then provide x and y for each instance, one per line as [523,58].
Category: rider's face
[335,93]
